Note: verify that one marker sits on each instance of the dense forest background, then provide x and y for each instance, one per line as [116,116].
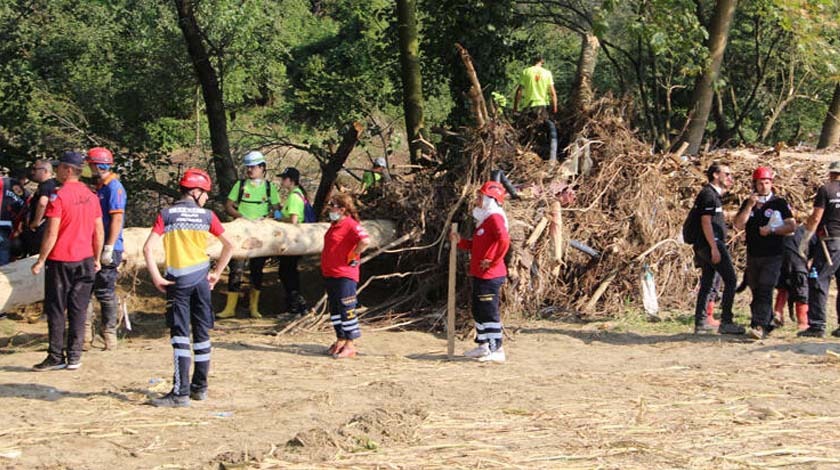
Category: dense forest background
[74,73]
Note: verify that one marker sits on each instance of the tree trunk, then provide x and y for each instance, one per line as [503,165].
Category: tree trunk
[830,134]
[213,98]
[703,95]
[410,73]
[582,92]
[329,170]
[250,238]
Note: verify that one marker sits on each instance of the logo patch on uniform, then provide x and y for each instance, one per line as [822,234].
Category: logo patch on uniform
[18,189]
[480,232]
[768,213]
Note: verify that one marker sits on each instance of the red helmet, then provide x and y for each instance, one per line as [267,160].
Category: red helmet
[493,189]
[100,156]
[195,178]
[763,173]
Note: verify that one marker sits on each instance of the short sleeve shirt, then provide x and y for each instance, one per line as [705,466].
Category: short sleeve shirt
[710,203]
[828,198]
[339,241]
[255,203]
[771,245]
[184,228]
[112,199]
[295,204]
[45,189]
[78,208]
[536,83]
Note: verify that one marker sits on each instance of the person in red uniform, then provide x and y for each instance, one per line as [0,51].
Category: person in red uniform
[70,256]
[344,243]
[488,246]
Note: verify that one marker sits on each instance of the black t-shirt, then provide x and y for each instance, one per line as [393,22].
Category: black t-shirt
[710,203]
[44,189]
[828,197]
[771,245]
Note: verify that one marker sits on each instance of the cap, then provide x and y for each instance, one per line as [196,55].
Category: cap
[253,158]
[380,163]
[72,158]
[834,167]
[291,173]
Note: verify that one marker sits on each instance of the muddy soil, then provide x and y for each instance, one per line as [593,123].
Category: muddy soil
[570,396]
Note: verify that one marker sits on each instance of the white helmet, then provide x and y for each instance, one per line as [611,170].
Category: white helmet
[380,163]
[253,158]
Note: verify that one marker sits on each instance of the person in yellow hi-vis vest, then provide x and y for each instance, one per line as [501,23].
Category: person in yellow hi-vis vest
[536,91]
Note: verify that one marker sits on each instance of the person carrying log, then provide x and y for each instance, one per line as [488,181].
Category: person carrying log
[294,212]
[344,243]
[711,254]
[183,227]
[112,201]
[69,254]
[253,198]
[824,222]
[767,219]
[488,247]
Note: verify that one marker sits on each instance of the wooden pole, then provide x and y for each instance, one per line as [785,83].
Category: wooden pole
[450,300]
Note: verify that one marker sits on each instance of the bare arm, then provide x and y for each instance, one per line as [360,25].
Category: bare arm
[232,209]
[293,219]
[47,243]
[362,246]
[743,216]
[517,98]
[114,230]
[814,219]
[553,99]
[222,262]
[40,209]
[152,242]
[98,240]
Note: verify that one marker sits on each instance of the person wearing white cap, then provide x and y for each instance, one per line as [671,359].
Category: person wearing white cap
[252,198]
[376,175]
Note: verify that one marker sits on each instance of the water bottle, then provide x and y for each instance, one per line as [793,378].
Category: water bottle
[813,273]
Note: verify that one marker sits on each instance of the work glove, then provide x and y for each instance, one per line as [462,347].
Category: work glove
[803,245]
[278,215]
[107,257]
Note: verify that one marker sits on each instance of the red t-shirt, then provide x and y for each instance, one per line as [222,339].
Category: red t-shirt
[490,241]
[78,208]
[339,241]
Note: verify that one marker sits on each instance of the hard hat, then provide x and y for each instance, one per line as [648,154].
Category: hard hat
[763,173]
[493,189]
[834,167]
[253,158]
[380,163]
[195,178]
[100,156]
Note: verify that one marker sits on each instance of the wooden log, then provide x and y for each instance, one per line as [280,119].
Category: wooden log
[450,299]
[475,93]
[250,239]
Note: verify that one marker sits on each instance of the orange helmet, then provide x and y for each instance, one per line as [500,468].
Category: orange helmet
[100,156]
[495,190]
[763,173]
[195,178]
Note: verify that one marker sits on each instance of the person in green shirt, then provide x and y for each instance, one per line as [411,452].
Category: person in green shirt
[293,213]
[376,175]
[536,90]
[253,198]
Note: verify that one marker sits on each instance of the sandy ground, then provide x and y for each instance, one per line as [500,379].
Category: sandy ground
[570,396]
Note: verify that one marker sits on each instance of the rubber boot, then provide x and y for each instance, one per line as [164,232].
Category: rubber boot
[802,315]
[710,315]
[110,338]
[230,306]
[254,304]
[779,307]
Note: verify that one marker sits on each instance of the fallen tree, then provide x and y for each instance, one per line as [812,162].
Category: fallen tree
[19,287]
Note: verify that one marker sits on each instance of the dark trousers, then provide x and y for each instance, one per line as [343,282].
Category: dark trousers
[188,308]
[289,275]
[255,273]
[341,298]
[67,288]
[485,310]
[104,288]
[5,245]
[818,288]
[703,260]
[762,276]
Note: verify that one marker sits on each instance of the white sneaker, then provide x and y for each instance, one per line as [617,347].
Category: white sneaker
[480,351]
[495,356]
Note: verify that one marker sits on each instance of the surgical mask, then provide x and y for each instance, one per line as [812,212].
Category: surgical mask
[334,216]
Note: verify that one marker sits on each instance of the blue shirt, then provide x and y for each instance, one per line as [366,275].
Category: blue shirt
[112,199]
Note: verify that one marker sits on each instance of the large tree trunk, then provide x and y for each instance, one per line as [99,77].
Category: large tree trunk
[703,90]
[213,97]
[410,73]
[250,239]
[830,134]
[329,171]
[582,92]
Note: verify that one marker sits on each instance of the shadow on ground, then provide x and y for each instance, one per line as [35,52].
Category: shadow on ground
[632,339]
[47,393]
[808,349]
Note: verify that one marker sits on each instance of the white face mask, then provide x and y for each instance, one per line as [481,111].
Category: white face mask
[334,216]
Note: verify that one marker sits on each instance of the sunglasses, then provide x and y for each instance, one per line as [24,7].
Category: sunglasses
[335,204]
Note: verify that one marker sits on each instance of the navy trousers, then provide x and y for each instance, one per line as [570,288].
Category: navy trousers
[485,309]
[341,298]
[188,309]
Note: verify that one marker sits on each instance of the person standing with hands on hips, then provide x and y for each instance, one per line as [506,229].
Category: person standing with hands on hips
[344,243]
[767,219]
[488,247]
[187,284]
[70,256]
